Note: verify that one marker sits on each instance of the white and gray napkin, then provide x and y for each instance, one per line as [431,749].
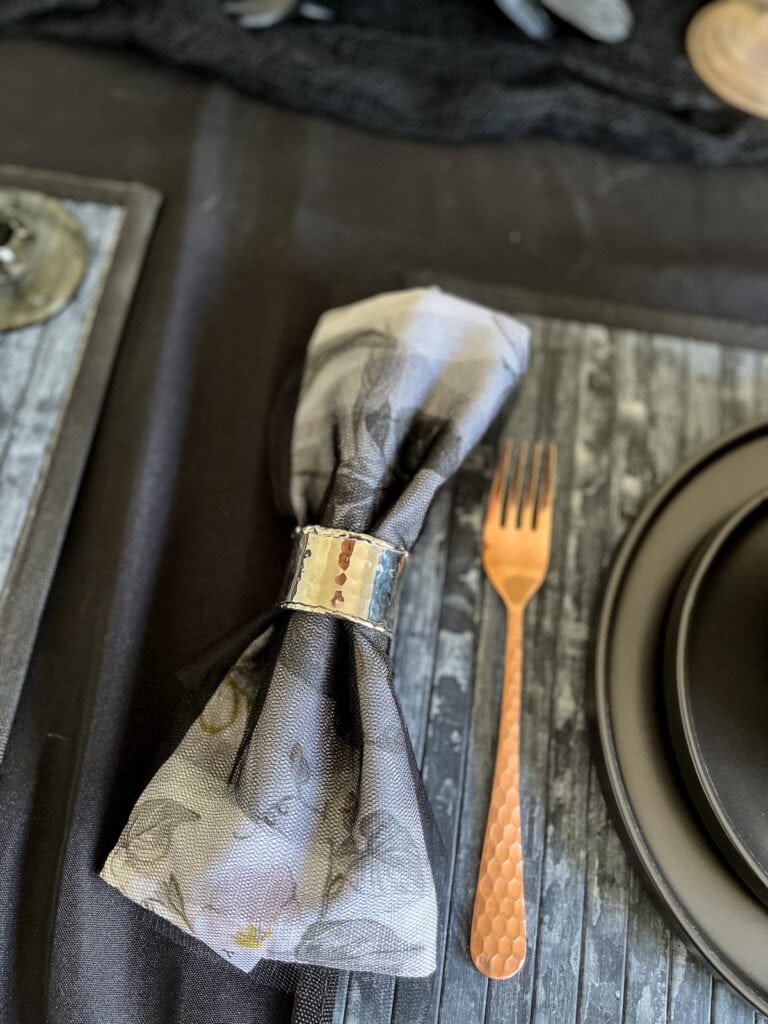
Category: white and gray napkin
[290,823]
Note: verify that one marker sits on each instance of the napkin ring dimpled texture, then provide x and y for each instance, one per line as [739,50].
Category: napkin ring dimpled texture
[350,575]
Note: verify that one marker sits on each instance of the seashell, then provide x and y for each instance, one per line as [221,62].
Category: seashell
[727,43]
[222,709]
[147,836]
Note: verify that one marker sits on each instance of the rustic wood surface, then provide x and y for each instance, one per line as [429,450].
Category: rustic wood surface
[43,443]
[38,368]
[625,407]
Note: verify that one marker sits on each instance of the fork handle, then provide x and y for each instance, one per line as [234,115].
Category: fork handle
[498,939]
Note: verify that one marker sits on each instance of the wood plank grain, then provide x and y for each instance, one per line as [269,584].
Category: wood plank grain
[647,959]
[607,889]
[689,998]
[739,376]
[31,432]
[560,941]
[445,749]
[512,1001]
[704,363]
[17,358]
[729,1008]
[626,409]
[464,989]
[38,367]
[761,406]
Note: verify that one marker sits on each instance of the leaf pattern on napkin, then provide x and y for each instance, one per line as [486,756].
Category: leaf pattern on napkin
[354,943]
[380,856]
[299,772]
[169,897]
[300,766]
[147,836]
[419,441]
[222,710]
[273,813]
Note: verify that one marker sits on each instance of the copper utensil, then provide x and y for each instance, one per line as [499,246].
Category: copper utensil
[516,543]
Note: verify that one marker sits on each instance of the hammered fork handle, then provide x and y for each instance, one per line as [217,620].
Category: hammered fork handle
[498,938]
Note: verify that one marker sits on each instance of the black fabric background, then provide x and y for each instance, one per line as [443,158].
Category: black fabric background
[269,218]
[448,70]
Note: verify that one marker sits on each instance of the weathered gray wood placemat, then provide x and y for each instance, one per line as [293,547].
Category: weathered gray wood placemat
[626,407]
[52,380]
[38,367]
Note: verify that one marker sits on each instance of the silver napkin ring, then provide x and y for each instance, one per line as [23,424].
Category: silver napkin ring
[350,575]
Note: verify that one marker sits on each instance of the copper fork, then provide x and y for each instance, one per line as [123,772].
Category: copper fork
[516,543]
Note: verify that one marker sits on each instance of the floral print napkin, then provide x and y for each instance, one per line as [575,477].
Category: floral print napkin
[290,823]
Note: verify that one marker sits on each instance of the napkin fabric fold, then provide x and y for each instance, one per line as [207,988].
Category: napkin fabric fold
[291,823]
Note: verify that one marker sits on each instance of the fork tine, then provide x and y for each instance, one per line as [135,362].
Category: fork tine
[547,493]
[531,489]
[516,486]
[493,514]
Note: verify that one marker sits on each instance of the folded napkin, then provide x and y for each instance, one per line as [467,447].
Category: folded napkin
[290,823]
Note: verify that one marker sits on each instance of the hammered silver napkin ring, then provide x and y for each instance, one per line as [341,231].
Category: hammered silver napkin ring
[348,575]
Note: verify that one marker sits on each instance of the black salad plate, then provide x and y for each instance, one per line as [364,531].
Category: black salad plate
[716,687]
[706,901]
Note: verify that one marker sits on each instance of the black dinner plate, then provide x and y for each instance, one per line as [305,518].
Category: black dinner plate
[716,687]
[714,912]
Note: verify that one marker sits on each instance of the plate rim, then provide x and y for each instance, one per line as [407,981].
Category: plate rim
[608,765]
[707,804]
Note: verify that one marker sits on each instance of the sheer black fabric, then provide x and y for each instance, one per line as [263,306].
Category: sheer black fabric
[448,70]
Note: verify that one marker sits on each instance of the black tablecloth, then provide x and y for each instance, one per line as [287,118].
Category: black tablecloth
[269,219]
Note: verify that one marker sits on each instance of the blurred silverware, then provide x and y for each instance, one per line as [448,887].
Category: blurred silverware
[260,14]
[607,21]
[529,17]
